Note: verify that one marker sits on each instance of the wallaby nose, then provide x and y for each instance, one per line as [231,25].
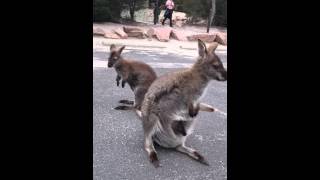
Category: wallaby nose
[223,76]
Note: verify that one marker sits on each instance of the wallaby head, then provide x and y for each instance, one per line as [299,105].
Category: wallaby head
[209,63]
[115,55]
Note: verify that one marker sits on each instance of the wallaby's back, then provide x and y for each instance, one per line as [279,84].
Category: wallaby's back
[140,73]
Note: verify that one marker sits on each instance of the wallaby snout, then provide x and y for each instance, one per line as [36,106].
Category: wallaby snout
[223,76]
[110,64]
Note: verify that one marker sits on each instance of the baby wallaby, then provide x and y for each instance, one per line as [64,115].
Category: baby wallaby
[172,102]
[137,74]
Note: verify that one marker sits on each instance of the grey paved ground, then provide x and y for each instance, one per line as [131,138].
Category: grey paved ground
[118,136]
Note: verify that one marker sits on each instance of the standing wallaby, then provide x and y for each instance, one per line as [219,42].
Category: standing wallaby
[137,74]
[171,103]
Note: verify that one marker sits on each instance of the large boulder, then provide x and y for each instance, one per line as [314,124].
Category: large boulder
[178,35]
[98,31]
[151,33]
[134,32]
[111,35]
[178,18]
[221,38]
[161,33]
[121,33]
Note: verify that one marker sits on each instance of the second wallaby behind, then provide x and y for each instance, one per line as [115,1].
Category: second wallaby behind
[137,74]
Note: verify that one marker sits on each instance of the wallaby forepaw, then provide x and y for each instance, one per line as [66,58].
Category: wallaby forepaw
[201,159]
[193,111]
[118,83]
[211,109]
[193,114]
[154,159]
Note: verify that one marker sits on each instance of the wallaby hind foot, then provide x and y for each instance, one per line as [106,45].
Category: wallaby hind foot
[124,101]
[124,107]
[193,154]
[154,159]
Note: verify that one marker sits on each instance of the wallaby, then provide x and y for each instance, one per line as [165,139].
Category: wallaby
[138,75]
[171,104]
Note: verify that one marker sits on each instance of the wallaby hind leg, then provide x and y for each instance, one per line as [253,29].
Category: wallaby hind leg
[124,101]
[192,153]
[118,78]
[139,96]
[148,127]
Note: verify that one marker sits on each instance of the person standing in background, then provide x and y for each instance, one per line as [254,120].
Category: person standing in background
[168,12]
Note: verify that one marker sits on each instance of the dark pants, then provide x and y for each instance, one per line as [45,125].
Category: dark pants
[168,15]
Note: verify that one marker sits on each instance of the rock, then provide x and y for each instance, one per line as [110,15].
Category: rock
[150,33]
[111,35]
[178,19]
[178,35]
[179,23]
[121,33]
[161,33]
[134,32]
[132,29]
[98,31]
[221,38]
[204,37]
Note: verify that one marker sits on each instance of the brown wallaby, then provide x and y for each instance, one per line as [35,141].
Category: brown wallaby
[171,104]
[139,76]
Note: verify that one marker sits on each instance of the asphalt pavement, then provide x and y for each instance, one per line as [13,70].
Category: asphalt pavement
[118,135]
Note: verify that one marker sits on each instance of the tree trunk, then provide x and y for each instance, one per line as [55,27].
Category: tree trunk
[132,6]
[156,12]
[94,10]
[211,14]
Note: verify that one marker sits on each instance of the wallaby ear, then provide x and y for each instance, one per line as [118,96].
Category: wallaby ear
[112,47]
[202,49]
[120,50]
[213,47]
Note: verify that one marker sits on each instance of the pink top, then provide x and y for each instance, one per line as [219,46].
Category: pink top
[169,4]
